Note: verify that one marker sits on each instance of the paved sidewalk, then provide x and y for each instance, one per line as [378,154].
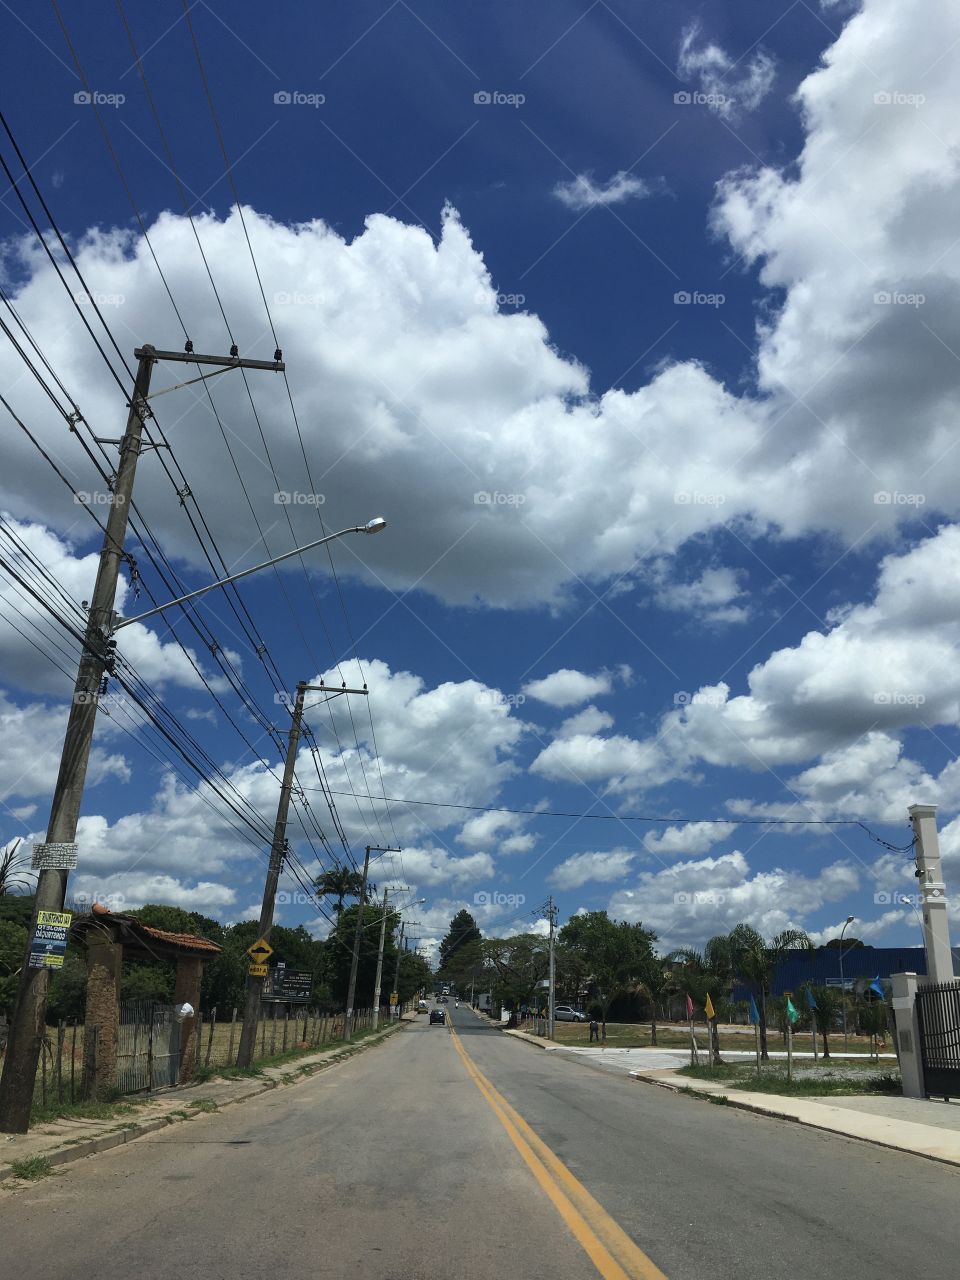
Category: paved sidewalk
[920,1126]
[64,1140]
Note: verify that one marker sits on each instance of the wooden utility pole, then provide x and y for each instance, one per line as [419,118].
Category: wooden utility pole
[58,855]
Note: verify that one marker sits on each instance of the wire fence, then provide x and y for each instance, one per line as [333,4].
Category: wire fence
[68,1059]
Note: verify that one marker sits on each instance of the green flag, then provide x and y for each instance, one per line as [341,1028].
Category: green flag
[791,1011]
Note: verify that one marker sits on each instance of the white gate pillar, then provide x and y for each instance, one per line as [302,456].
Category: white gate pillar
[936,931]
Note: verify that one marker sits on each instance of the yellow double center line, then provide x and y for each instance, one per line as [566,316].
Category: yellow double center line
[606,1244]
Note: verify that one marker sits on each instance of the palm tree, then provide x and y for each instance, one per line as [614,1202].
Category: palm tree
[655,978]
[339,882]
[709,973]
[754,961]
[12,870]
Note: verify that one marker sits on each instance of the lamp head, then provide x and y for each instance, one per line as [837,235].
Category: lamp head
[375,525]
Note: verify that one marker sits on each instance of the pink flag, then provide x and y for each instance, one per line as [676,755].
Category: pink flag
[689,1007]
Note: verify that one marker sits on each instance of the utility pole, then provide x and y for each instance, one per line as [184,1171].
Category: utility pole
[552,995]
[58,855]
[352,986]
[251,1011]
[376,988]
[396,971]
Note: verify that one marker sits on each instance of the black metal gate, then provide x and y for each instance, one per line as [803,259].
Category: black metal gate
[938,1017]
[148,1046]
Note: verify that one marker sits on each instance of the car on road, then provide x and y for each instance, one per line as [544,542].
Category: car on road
[438,1015]
[567,1013]
[444,1000]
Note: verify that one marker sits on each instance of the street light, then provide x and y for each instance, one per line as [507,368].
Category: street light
[372,526]
[843,990]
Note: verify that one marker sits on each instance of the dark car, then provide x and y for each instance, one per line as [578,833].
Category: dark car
[444,1000]
[438,1015]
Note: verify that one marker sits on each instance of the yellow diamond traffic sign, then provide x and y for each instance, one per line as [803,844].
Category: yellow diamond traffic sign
[258,971]
[260,951]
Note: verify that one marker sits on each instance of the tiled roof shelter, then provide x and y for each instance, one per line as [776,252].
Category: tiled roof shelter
[108,937]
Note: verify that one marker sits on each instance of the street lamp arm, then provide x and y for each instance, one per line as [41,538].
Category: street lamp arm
[372,526]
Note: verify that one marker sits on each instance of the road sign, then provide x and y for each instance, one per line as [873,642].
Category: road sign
[394,998]
[260,952]
[258,971]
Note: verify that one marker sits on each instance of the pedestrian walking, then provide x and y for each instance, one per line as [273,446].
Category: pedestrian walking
[594,1031]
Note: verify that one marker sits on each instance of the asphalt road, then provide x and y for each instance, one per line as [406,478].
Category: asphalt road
[459,1152]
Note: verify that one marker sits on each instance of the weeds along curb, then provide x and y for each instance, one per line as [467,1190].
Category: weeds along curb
[131,1130]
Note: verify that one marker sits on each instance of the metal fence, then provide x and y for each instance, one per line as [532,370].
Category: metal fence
[938,1020]
[148,1046]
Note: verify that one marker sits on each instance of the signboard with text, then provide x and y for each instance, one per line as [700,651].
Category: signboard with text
[289,986]
[48,946]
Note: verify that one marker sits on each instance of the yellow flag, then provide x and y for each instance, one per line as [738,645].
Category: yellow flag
[708,1008]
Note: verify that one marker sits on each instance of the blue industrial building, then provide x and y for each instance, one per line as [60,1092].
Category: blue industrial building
[821,967]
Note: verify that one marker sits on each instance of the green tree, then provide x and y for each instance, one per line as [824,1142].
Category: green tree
[340,883]
[14,866]
[13,945]
[653,975]
[754,962]
[463,936]
[519,963]
[612,953]
[829,1003]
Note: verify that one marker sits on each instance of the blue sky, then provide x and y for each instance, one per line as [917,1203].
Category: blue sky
[636,323]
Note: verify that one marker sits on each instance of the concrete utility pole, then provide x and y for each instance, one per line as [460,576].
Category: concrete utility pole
[552,996]
[352,985]
[57,857]
[936,931]
[376,987]
[251,1012]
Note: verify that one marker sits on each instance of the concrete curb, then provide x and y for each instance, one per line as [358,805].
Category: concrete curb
[825,1124]
[292,1073]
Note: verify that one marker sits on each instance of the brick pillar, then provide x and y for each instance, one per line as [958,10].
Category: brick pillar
[187,991]
[104,960]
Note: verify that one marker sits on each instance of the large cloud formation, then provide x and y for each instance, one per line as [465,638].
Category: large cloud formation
[506,476]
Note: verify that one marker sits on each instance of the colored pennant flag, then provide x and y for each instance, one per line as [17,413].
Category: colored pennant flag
[811,1003]
[708,1007]
[754,1013]
[876,987]
[689,1007]
[791,1011]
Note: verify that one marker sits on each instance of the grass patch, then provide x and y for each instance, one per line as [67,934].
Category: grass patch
[204,1104]
[86,1110]
[32,1168]
[805,1083]
[719,1099]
